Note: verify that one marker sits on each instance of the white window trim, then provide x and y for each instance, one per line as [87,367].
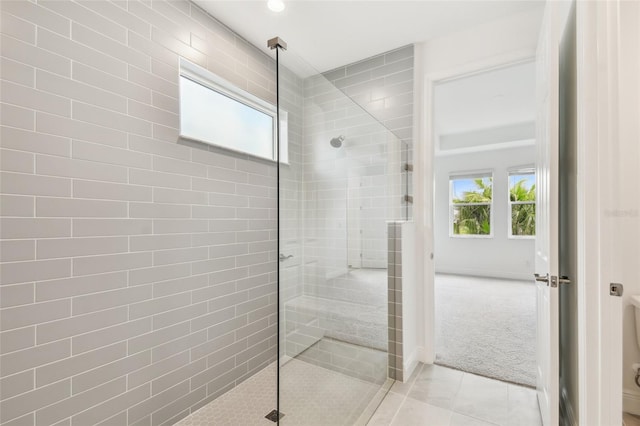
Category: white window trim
[470,175]
[218,84]
[519,170]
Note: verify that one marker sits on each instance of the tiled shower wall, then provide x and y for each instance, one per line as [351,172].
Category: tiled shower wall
[402,300]
[355,187]
[139,280]
[358,186]
[383,86]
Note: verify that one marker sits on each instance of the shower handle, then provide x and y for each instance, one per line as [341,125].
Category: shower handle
[282,257]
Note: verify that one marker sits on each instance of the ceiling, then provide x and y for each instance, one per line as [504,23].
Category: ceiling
[329,34]
[496,106]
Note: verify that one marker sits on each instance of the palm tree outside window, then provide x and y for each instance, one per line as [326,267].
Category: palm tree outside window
[522,203]
[470,202]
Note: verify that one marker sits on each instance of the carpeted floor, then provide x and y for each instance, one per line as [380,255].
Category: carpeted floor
[487,327]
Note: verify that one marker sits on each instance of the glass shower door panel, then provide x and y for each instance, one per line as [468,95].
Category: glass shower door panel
[342,183]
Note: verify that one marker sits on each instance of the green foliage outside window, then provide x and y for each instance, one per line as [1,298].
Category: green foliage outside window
[472,210]
[523,207]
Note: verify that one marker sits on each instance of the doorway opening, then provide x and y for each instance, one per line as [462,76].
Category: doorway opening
[484,224]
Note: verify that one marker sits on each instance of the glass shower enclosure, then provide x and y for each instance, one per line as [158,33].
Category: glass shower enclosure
[341,178]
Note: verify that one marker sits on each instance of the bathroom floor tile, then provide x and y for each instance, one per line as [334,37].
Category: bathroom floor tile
[313,395]
[523,406]
[404,388]
[416,413]
[436,385]
[462,420]
[310,396]
[246,404]
[483,398]
[443,396]
[387,410]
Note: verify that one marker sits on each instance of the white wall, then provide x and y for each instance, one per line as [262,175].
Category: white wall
[609,206]
[623,214]
[498,256]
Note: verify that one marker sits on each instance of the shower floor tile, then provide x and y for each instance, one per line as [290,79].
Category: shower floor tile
[311,396]
[246,404]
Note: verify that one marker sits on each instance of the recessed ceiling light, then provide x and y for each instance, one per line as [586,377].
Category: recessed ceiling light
[276,5]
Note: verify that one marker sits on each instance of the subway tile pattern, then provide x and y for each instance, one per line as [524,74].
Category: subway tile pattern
[138,276]
[383,86]
[338,210]
[349,192]
[394,301]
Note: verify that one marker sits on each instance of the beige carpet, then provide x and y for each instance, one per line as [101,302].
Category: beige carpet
[487,327]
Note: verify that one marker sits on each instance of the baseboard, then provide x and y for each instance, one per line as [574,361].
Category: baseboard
[567,416]
[631,402]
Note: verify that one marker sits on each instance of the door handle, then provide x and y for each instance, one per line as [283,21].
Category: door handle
[553,280]
[282,257]
[542,278]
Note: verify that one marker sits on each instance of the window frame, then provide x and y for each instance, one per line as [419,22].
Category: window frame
[211,81]
[518,171]
[471,175]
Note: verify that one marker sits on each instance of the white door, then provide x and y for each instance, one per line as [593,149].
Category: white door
[547,218]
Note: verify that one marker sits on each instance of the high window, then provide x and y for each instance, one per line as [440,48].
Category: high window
[470,201]
[216,112]
[522,203]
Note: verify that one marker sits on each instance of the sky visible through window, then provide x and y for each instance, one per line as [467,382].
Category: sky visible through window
[529,180]
[460,186]
[216,118]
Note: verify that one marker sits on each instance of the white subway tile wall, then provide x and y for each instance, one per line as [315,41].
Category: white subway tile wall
[139,274]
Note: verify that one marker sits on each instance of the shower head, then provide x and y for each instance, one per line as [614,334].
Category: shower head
[337,142]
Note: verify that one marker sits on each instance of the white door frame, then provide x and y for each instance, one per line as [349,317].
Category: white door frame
[599,314]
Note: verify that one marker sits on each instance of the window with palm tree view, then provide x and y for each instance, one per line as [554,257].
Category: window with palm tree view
[522,203]
[470,204]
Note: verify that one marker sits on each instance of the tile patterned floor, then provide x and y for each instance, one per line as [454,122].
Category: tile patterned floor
[311,396]
[315,396]
[246,404]
[440,396]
